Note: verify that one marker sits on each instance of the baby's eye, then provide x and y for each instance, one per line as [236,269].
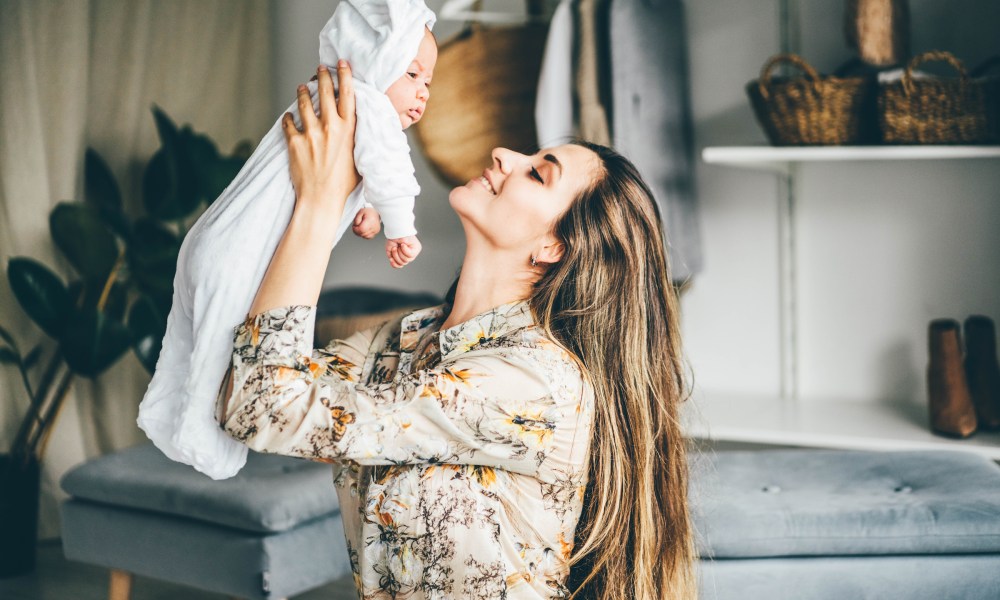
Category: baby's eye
[411,75]
[535,174]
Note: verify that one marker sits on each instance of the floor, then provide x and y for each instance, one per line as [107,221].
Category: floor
[56,578]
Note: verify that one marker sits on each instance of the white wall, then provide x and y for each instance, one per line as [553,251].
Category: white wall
[883,248]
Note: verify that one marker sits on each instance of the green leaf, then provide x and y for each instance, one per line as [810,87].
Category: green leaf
[32,357]
[221,175]
[114,306]
[243,149]
[40,293]
[101,192]
[153,256]
[165,195]
[169,184]
[7,337]
[8,356]
[84,239]
[148,324]
[93,342]
[214,171]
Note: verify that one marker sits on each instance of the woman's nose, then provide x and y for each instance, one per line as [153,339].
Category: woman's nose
[504,159]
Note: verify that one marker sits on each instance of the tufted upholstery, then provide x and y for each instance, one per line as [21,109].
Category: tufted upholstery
[845,502]
[272,531]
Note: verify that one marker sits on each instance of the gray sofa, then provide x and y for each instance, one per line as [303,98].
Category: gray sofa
[771,524]
[847,524]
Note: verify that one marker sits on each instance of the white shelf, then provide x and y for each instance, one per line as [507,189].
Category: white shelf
[824,424]
[777,158]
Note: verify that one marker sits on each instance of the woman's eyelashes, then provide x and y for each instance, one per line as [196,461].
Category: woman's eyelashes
[536,175]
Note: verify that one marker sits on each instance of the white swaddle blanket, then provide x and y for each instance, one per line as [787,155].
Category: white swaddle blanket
[225,254]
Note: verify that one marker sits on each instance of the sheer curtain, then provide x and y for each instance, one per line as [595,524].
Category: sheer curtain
[78,73]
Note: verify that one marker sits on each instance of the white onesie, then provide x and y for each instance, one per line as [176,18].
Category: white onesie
[225,254]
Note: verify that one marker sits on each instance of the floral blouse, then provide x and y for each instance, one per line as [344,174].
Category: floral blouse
[460,456]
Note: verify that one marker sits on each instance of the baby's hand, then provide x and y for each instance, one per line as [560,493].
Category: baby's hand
[402,250]
[366,223]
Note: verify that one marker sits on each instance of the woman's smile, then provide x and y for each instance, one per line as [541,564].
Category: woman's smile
[487,183]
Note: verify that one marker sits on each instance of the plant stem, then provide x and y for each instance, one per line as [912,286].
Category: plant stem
[112,276]
[39,444]
[24,378]
[35,408]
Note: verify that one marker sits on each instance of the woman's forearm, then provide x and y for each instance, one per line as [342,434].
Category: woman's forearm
[295,274]
[321,168]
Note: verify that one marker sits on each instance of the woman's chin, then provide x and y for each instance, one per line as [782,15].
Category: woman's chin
[463,198]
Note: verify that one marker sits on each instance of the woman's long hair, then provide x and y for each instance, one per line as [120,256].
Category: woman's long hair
[610,302]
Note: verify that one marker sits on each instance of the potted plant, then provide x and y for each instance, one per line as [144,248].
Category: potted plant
[118,299]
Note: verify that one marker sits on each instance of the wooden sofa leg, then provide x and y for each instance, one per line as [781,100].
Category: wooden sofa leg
[120,587]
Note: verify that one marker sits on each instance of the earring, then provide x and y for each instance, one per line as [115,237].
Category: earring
[533,262]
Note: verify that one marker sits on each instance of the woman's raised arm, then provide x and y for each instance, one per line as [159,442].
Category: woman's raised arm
[321,166]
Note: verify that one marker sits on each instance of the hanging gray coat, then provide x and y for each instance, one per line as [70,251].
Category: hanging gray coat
[651,116]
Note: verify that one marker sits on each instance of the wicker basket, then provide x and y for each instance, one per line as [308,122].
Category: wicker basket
[813,110]
[935,110]
[991,84]
[483,97]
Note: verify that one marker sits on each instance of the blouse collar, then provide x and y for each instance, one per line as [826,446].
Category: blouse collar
[485,326]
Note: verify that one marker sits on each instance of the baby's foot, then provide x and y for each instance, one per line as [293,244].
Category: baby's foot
[402,250]
[366,223]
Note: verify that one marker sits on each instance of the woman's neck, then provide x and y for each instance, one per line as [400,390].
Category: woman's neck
[488,279]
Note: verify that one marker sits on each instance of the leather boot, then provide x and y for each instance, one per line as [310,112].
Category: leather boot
[951,410]
[982,371]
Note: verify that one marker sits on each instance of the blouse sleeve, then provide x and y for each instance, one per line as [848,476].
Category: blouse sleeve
[506,407]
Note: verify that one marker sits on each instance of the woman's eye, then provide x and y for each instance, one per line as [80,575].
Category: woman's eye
[535,174]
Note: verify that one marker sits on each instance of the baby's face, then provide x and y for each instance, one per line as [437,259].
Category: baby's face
[410,92]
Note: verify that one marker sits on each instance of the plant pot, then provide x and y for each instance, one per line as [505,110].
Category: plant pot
[18,515]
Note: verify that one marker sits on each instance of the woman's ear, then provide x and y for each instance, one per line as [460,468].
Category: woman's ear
[551,252]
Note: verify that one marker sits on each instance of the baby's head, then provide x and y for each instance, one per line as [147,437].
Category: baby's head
[410,92]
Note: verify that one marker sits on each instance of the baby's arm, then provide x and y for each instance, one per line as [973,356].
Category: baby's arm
[401,251]
[367,222]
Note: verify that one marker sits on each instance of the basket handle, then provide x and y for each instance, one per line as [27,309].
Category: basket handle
[794,59]
[947,57]
[985,66]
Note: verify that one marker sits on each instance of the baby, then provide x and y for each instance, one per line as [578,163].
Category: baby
[224,256]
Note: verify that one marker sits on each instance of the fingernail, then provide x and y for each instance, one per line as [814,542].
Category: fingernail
[302,88]
[341,63]
[321,68]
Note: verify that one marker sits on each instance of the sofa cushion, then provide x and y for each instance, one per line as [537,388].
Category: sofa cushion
[270,494]
[748,503]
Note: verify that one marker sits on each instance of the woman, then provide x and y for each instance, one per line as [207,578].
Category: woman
[529,424]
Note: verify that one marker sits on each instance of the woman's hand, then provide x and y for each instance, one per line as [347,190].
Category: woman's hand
[321,155]
[321,164]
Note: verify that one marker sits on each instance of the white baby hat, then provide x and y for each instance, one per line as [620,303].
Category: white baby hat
[378,37]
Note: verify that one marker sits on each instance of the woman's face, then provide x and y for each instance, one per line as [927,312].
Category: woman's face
[514,205]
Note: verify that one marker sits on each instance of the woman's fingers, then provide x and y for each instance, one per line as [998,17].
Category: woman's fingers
[345,103]
[288,125]
[307,113]
[326,95]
